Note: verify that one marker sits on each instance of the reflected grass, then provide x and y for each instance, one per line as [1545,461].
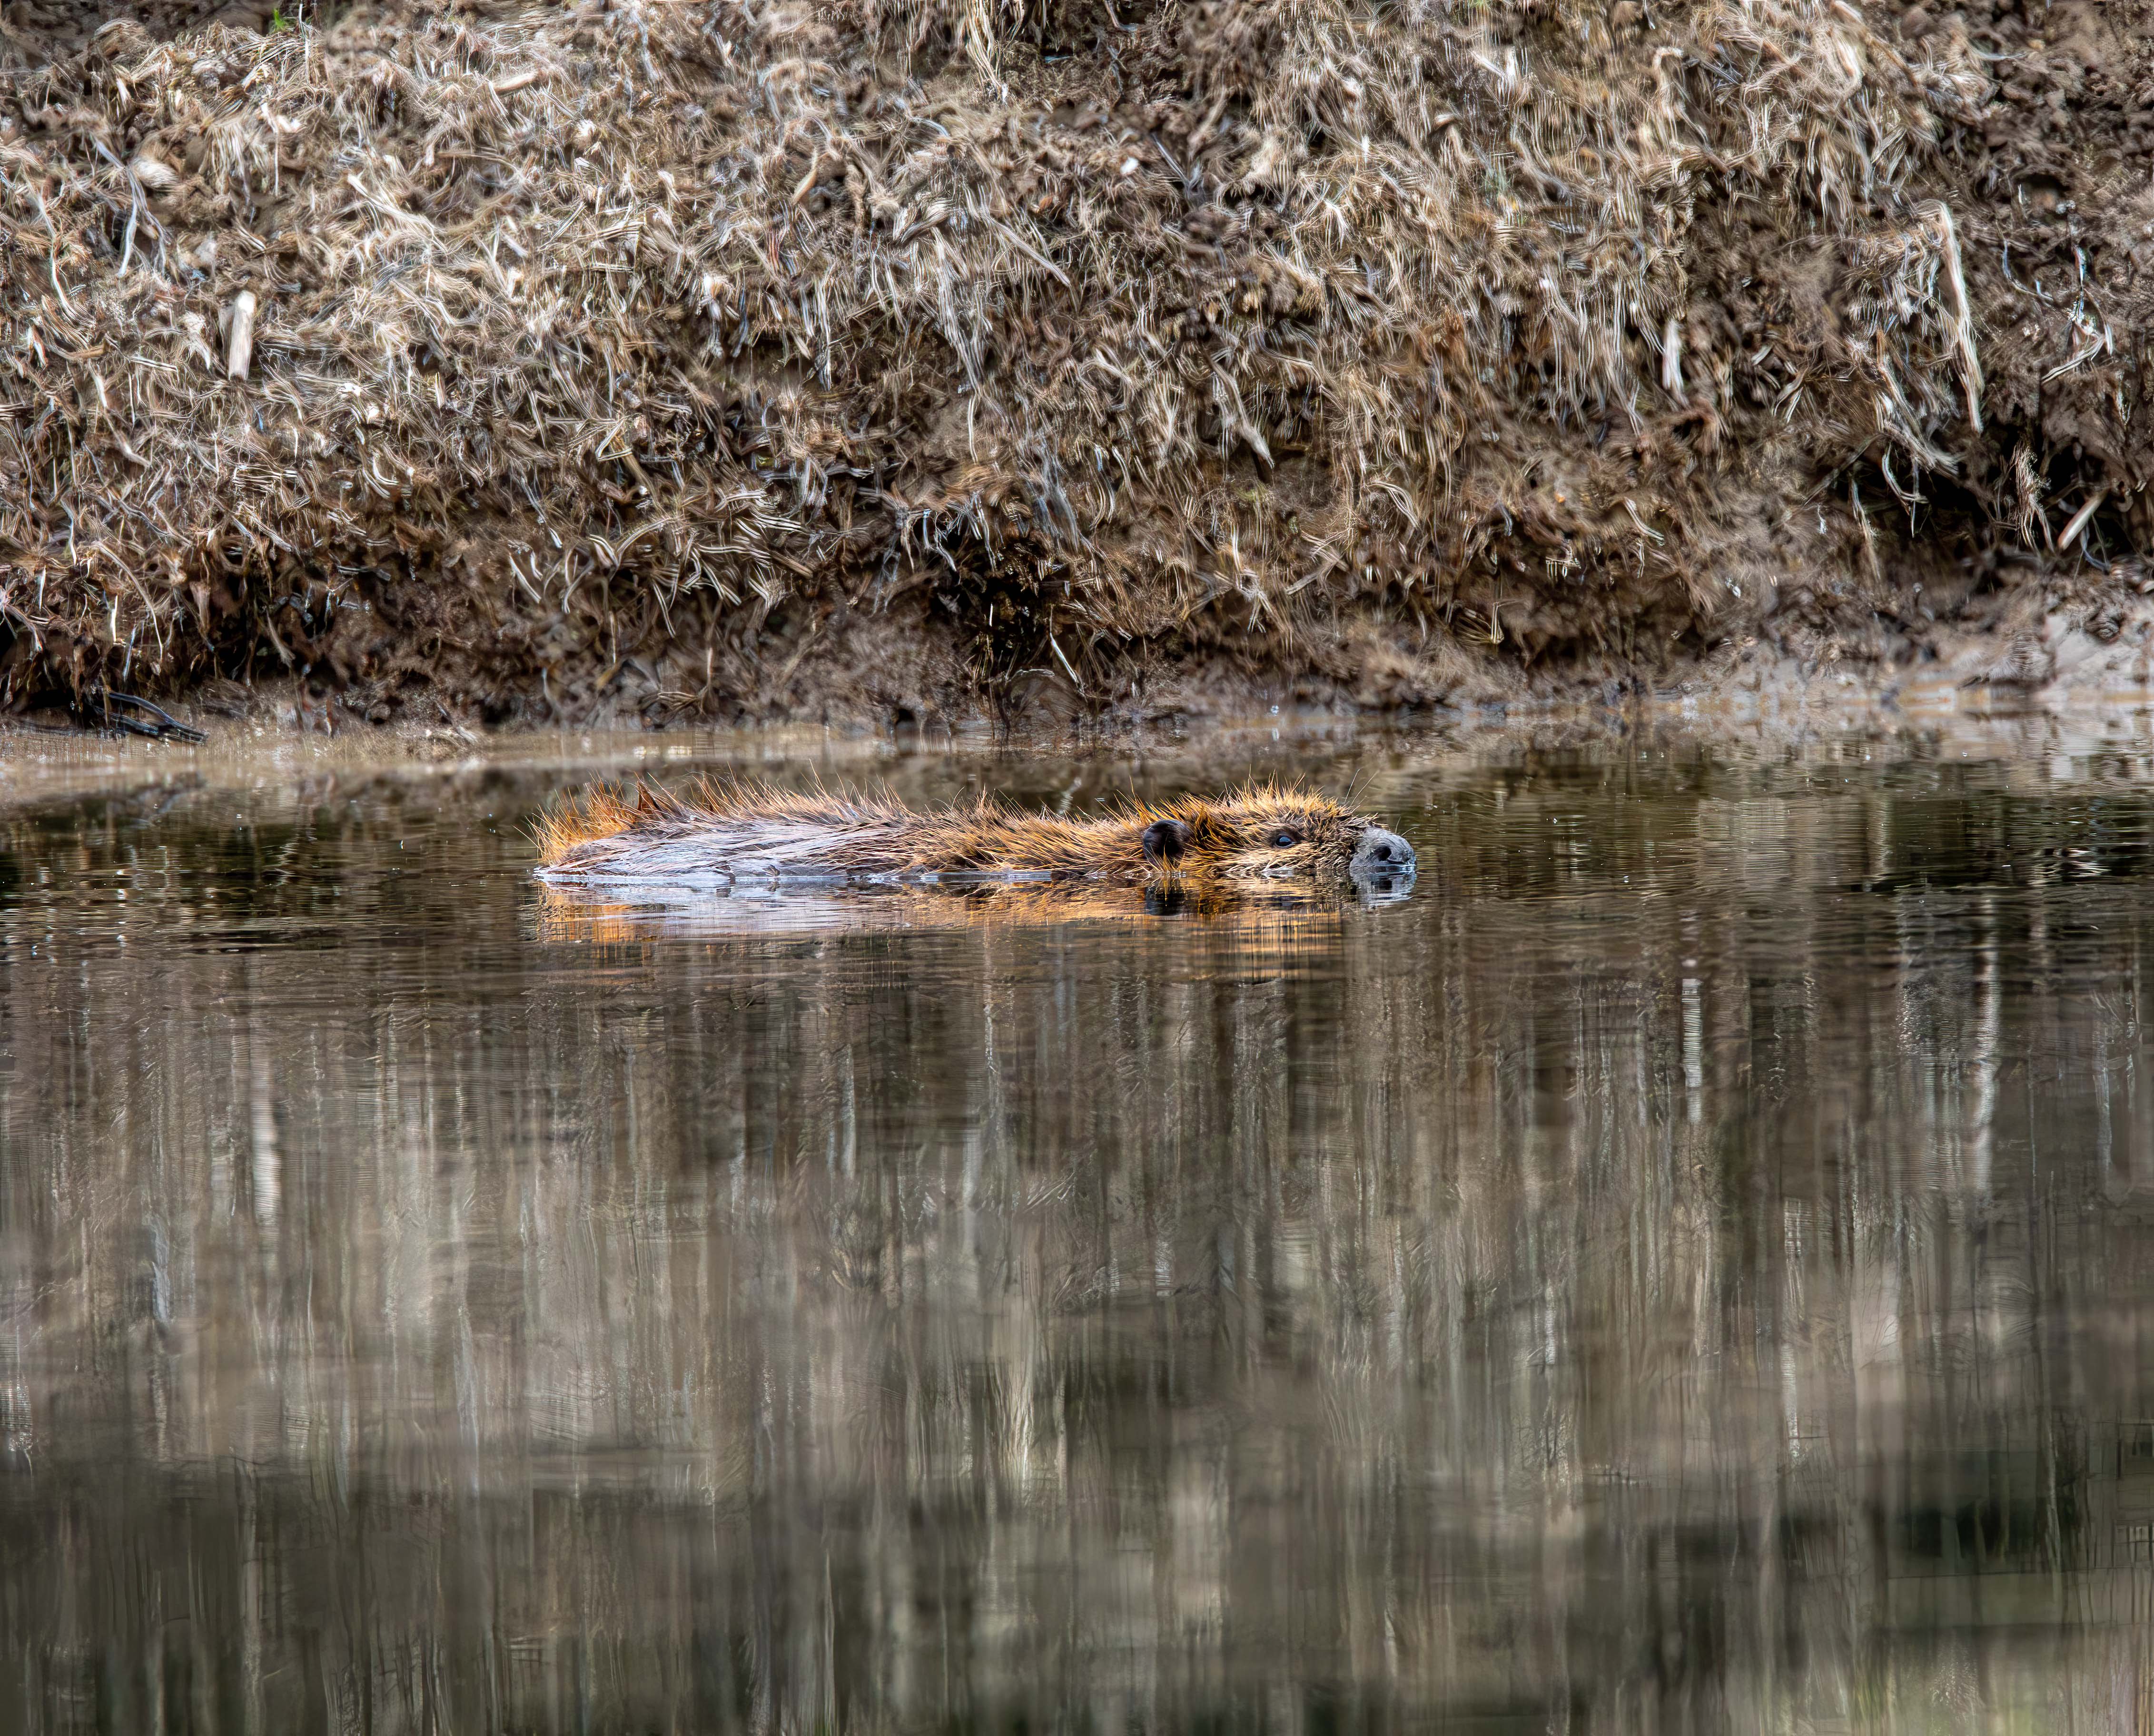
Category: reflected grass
[1685,1266]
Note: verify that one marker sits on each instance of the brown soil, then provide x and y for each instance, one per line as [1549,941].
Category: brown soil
[676,361]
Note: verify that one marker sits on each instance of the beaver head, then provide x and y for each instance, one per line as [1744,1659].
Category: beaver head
[1275,834]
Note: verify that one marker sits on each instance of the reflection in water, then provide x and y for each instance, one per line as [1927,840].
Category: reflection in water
[639,911]
[1685,1266]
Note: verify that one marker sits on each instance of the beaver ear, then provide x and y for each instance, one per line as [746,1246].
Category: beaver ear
[1165,841]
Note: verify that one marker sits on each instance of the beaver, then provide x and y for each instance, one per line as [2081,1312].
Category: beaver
[721,833]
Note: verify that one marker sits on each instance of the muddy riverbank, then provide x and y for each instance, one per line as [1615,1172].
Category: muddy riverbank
[863,364]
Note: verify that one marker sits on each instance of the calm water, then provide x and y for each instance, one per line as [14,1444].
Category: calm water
[1689,1267]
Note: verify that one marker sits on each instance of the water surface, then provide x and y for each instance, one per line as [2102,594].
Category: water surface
[1690,1266]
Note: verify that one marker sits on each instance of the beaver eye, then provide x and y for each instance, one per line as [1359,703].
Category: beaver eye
[1284,839]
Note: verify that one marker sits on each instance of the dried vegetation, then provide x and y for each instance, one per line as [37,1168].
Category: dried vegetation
[703,355]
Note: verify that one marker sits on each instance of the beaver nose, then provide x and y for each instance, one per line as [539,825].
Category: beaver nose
[1382,852]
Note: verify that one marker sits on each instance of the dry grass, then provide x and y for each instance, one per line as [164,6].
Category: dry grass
[593,331]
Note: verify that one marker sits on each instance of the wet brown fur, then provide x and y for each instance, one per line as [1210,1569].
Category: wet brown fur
[720,829]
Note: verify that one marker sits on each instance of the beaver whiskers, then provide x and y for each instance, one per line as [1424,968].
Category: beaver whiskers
[721,833]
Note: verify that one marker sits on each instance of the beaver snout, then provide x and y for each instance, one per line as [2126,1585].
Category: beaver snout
[1380,852]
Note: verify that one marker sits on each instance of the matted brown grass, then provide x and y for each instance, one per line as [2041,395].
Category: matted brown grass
[648,345]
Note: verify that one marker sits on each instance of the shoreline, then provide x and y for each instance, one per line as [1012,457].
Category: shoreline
[1156,371]
[37,764]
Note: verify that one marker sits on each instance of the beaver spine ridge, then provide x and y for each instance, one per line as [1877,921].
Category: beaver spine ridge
[721,833]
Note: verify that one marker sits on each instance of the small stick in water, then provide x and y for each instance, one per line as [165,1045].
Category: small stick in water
[240,353]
